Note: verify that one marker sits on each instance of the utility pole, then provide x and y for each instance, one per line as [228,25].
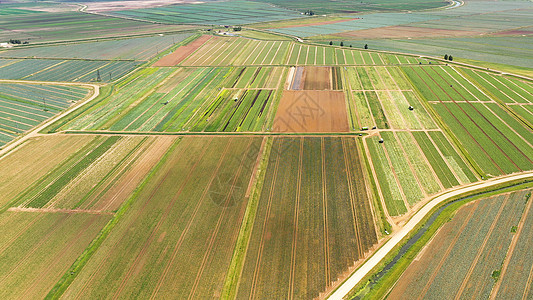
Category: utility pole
[44,105]
[98,75]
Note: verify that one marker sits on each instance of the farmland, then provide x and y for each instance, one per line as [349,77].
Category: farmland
[191,223]
[145,158]
[66,70]
[23,106]
[296,248]
[477,254]
[223,51]
[216,13]
[141,48]
[37,248]
[480,127]
[201,99]
[40,27]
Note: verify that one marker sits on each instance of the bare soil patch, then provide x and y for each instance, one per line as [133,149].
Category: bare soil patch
[311,111]
[522,31]
[312,78]
[181,53]
[405,32]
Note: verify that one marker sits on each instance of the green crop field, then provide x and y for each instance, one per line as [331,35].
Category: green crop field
[202,99]
[23,106]
[463,257]
[255,149]
[216,13]
[66,70]
[296,249]
[141,48]
[191,220]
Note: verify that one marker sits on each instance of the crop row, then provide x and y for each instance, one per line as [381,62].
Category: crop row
[25,106]
[191,210]
[390,190]
[313,208]
[66,70]
[216,13]
[237,110]
[507,90]
[141,48]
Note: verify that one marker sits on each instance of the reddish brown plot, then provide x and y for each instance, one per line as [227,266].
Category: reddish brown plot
[405,31]
[181,53]
[311,111]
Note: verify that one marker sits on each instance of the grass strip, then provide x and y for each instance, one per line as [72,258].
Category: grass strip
[231,282]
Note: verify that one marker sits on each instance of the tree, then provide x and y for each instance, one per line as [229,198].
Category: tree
[237,28]
[450,58]
[366,46]
[445,56]
[342,44]
[330,43]
[350,46]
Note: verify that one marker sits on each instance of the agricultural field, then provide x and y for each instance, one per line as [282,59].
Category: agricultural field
[38,247]
[496,143]
[139,49]
[481,253]
[356,7]
[186,217]
[311,111]
[381,97]
[188,99]
[211,13]
[224,51]
[66,70]
[98,177]
[24,106]
[40,27]
[314,219]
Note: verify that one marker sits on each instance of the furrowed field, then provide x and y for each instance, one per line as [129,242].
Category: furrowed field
[314,221]
[186,217]
[23,106]
[480,253]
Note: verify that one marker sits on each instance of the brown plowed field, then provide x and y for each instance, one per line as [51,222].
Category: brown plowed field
[317,78]
[405,31]
[174,58]
[311,111]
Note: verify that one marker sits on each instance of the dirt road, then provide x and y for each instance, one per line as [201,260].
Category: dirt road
[397,237]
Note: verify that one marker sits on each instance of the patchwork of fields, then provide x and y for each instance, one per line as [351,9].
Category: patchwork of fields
[481,253]
[216,13]
[141,48]
[237,167]
[224,51]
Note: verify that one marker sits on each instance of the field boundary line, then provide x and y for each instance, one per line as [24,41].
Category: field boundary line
[292,269]
[443,158]
[325,213]
[257,267]
[399,235]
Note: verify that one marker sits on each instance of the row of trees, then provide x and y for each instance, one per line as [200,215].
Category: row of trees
[448,57]
[342,44]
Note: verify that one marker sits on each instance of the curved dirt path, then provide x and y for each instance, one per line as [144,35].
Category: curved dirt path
[398,236]
[35,131]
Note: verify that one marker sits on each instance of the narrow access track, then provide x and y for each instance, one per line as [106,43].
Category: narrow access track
[399,235]
[35,131]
